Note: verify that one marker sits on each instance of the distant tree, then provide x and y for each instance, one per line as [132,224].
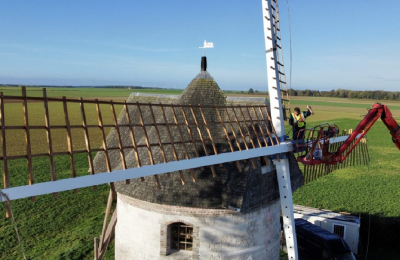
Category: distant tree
[342,93]
[292,92]
[354,94]
[251,91]
[345,93]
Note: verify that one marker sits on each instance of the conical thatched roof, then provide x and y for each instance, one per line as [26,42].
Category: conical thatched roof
[246,190]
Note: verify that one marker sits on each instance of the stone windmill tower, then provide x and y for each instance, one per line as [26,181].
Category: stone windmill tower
[228,211]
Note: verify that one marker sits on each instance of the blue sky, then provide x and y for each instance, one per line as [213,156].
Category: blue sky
[336,44]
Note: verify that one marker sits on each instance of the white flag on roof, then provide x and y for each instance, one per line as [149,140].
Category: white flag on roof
[207,45]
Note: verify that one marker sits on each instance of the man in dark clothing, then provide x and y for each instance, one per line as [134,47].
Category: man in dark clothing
[298,121]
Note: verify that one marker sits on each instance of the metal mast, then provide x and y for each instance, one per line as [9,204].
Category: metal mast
[271,29]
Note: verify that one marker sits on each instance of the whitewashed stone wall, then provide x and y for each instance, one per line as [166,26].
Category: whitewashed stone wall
[141,232]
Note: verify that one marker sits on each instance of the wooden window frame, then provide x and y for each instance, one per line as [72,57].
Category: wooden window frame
[183,237]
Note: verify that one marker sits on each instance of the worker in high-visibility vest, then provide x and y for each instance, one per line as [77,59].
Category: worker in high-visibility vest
[298,121]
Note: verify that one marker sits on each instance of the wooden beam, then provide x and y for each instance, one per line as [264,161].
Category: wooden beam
[182,142]
[190,134]
[146,138]
[243,136]
[132,134]
[6,178]
[49,139]
[69,139]
[227,136]
[208,131]
[119,139]
[87,139]
[162,152]
[27,138]
[172,144]
[202,140]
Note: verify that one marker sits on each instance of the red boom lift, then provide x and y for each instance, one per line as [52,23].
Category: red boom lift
[317,146]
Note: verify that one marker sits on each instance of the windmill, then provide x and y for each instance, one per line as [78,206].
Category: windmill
[254,133]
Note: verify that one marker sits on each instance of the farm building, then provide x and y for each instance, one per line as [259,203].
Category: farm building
[227,211]
[344,225]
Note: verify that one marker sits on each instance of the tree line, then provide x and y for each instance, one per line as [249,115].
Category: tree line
[344,93]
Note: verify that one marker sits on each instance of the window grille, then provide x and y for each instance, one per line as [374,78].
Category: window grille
[181,237]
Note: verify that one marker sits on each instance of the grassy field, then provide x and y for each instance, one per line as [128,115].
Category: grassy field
[63,228]
[92,93]
[54,228]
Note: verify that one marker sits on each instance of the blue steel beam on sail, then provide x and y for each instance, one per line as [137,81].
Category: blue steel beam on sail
[144,171]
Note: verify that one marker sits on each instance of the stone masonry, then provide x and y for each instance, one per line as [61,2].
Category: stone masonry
[142,228]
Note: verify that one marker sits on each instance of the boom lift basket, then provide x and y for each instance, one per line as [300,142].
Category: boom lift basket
[314,147]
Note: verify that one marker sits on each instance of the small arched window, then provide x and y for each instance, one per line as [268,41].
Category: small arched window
[180,237]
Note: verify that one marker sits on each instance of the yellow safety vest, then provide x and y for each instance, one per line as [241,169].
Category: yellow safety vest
[299,119]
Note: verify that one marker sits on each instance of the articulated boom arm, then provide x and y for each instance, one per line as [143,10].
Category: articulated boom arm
[377,110]
[321,135]
[392,125]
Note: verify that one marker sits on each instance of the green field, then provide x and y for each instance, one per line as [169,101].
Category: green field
[63,228]
[92,93]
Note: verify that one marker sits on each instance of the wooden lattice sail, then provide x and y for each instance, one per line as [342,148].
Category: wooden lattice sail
[150,126]
[48,127]
[140,134]
[159,133]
